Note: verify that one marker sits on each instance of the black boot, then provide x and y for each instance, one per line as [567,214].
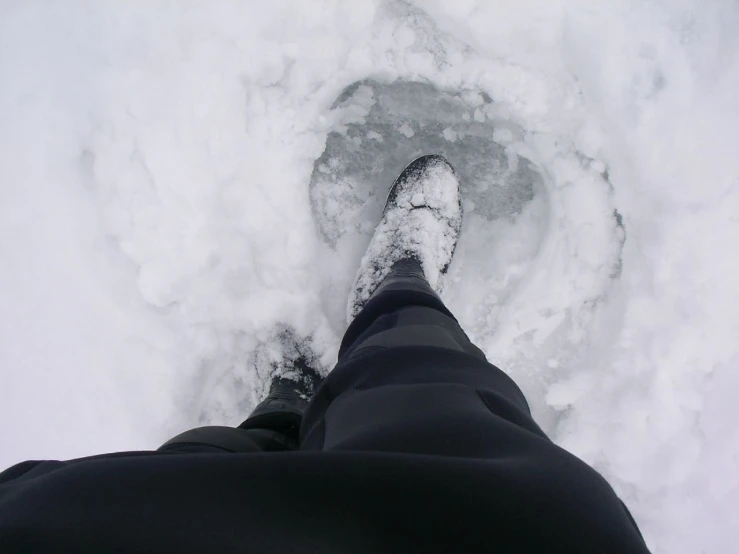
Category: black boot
[291,389]
[421,221]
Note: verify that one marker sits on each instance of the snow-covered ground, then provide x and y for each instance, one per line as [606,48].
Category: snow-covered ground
[162,218]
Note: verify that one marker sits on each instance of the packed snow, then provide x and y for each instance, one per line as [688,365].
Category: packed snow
[180,182]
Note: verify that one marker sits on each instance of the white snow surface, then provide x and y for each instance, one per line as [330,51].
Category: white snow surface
[156,232]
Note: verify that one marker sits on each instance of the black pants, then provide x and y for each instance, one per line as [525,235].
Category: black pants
[408,379]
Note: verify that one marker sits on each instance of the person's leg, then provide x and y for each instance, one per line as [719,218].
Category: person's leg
[408,379]
[406,399]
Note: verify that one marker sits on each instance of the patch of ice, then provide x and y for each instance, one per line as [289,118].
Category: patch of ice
[406,130]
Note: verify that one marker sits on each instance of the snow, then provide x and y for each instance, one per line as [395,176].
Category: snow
[406,130]
[163,218]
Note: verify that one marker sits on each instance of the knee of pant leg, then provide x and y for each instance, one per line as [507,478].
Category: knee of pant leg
[416,326]
[421,315]
[378,367]
[388,302]
[434,419]
[413,335]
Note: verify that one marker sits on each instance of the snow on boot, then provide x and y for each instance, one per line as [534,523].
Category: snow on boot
[422,220]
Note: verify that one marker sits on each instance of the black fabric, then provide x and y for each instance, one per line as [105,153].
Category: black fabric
[405,447]
[227,439]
